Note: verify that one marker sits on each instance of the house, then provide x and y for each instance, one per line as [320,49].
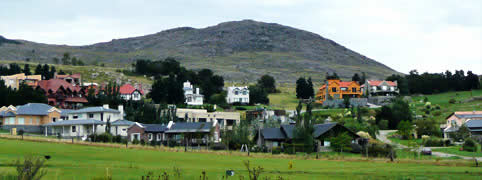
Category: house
[62,94]
[29,117]
[146,132]
[193,132]
[457,119]
[475,126]
[87,121]
[226,120]
[129,92]
[120,127]
[276,137]
[191,97]
[263,114]
[238,95]
[74,79]
[14,81]
[380,88]
[336,89]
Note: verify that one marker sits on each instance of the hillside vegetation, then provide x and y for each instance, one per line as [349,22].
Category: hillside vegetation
[240,51]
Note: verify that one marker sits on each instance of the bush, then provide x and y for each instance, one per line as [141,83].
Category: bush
[376,149]
[293,148]
[276,150]
[104,137]
[383,124]
[452,101]
[470,145]
[240,108]
[135,141]
[436,142]
[217,146]
[142,142]
[117,139]
[356,148]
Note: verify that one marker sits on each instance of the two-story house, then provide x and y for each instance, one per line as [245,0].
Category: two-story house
[129,92]
[337,89]
[14,81]
[380,88]
[472,119]
[29,117]
[62,94]
[238,95]
[86,121]
[226,120]
[191,97]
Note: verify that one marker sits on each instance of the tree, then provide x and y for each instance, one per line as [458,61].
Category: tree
[268,83]
[303,133]
[310,91]
[301,88]
[56,60]
[400,112]
[26,69]
[405,129]
[341,142]
[258,95]
[356,78]
[38,70]
[46,72]
[66,59]
[363,79]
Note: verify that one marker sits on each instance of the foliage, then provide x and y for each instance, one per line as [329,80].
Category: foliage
[341,143]
[25,94]
[470,145]
[462,134]
[398,111]
[258,95]
[436,142]
[167,90]
[377,149]
[303,133]
[405,129]
[267,83]
[427,127]
[30,169]
[104,137]
[304,89]
[254,172]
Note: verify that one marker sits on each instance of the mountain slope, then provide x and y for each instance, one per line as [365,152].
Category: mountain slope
[239,50]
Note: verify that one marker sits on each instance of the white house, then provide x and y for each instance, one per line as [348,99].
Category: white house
[192,98]
[129,92]
[86,121]
[238,95]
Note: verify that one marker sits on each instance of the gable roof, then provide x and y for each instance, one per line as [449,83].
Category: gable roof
[474,124]
[377,83]
[155,128]
[320,129]
[7,114]
[128,89]
[273,134]
[466,114]
[289,130]
[181,127]
[38,109]
[94,109]
[55,84]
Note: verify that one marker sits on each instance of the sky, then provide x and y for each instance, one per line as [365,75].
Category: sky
[426,35]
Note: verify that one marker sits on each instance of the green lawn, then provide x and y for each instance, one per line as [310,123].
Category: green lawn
[456,150]
[86,162]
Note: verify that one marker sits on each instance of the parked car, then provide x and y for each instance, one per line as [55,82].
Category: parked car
[426,151]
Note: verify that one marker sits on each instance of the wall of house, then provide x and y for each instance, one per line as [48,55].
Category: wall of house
[135,129]
[119,130]
[196,115]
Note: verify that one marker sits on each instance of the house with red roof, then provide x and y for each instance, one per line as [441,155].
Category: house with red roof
[380,88]
[337,89]
[129,92]
[62,94]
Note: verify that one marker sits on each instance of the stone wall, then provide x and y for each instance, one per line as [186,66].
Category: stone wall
[338,103]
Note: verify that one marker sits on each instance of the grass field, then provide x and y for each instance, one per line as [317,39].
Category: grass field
[87,162]
[456,150]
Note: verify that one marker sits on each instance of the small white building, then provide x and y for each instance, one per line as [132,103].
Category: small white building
[238,95]
[129,92]
[191,97]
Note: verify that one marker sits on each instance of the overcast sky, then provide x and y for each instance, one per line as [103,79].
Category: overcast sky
[427,35]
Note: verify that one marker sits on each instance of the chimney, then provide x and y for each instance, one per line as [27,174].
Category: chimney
[197,90]
[169,125]
[121,110]
[106,106]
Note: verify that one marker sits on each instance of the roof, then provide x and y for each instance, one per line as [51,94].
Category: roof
[95,109]
[466,114]
[7,114]
[341,83]
[34,109]
[65,112]
[182,127]
[128,89]
[122,122]
[273,133]
[289,130]
[474,124]
[76,122]
[67,75]
[321,129]
[377,83]
[155,127]
[55,84]
[76,99]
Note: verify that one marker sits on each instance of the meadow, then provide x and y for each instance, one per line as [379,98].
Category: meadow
[71,161]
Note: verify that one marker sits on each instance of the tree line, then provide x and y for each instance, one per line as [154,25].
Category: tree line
[47,72]
[429,83]
[25,94]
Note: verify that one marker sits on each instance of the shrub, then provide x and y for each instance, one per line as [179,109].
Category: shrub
[117,139]
[376,149]
[437,107]
[356,148]
[436,142]
[142,142]
[218,146]
[30,168]
[135,141]
[240,108]
[153,143]
[452,101]
[470,145]
[276,150]
[437,113]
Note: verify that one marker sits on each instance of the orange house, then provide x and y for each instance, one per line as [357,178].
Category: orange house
[338,90]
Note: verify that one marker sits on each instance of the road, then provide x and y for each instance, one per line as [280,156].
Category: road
[383,136]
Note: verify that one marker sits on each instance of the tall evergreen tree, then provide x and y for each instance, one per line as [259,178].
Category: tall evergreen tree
[301,88]
[310,91]
[26,69]
[356,78]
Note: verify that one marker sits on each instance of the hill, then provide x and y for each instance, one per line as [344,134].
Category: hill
[241,51]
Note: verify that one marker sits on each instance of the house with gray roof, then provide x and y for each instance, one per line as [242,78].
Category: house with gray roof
[147,132]
[276,137]
[455,120]
[29,117]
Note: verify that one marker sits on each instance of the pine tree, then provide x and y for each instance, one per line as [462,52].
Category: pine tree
[310,90]
[26,69]
[301,88]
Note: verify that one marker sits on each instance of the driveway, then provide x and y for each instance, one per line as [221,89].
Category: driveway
[383,136]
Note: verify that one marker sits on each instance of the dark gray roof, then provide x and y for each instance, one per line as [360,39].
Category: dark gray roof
[182,127]
[34,109]
[321,129]
[76,122]
[469,116]
[122,123]
[155,128]
[273,133]
[95,109]
[289,130]
[474,124]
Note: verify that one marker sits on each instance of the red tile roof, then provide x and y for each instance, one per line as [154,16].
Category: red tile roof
[377,83]
[55,84]
[128,89]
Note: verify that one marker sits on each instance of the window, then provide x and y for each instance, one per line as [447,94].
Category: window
[353,89]
[159,136]
[21,121]
[236,92]
[150,136]
[333,89]
[74,129]
[75,116]
[12,120]
[343,88]
[124,129]
[245,92]
[91,115]
[54,119]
